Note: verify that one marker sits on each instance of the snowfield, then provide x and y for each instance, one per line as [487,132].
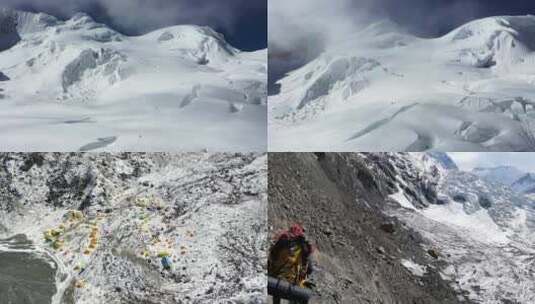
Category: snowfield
[79,85]
[383,89]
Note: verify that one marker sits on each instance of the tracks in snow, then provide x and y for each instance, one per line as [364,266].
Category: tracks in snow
[380,123]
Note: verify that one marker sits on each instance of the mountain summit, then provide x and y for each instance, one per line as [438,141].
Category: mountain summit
[87,83]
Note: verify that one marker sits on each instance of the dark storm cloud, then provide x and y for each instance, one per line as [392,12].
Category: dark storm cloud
[239,19]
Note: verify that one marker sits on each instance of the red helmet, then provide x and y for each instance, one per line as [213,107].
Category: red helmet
[296,230]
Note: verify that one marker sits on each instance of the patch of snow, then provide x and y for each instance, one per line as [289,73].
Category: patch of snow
[402,200]
[478,225]
[415,269]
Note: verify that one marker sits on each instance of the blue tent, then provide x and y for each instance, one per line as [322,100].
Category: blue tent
[166,262]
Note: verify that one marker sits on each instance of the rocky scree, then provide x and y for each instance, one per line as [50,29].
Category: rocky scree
[110,219]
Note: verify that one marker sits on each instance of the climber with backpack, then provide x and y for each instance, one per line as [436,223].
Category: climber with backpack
[289,265]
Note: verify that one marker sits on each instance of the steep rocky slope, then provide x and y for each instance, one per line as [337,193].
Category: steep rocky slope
[360,253]
[106,221]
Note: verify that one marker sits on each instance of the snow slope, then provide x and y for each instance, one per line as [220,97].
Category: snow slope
[382,89]
[68,85]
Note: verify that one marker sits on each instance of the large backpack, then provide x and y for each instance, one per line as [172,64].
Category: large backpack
[288,260]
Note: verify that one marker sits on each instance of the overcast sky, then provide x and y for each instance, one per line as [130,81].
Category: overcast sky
[467,161]
[244,22]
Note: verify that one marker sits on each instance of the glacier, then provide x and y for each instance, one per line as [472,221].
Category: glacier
[483,229]
[384,89]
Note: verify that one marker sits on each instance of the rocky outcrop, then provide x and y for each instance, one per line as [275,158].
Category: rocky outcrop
[105,63]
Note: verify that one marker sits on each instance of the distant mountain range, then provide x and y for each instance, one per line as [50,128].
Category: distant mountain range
[513,177]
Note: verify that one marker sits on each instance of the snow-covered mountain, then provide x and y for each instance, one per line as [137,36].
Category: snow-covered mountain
[382,89]
[77,84]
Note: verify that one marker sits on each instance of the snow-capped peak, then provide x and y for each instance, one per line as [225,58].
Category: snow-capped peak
[188,72]
[444,159]
[382,27]
[82,17]
[199,38]
[502,41]
[180,37]
[517,26]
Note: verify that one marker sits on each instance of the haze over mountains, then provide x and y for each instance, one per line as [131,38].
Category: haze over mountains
[80,85]
[513,177]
